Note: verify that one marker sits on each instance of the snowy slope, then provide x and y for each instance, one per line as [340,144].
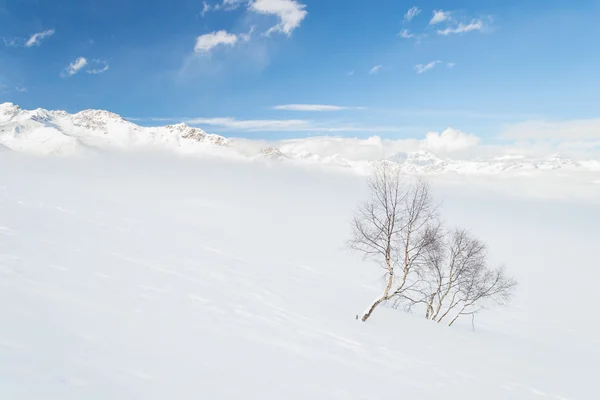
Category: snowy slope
[57,132]
[140,277]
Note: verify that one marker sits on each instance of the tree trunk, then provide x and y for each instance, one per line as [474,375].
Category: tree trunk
[442,298]
[455,318]
[372,308]
[429,312]
[388,286]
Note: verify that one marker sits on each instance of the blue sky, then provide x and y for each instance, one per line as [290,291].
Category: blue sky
[225,65]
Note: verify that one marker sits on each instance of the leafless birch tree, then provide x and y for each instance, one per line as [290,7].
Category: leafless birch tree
[446,273]
[460,281]
[393,228]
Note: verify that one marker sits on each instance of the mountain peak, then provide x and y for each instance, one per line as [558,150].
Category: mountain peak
[178,126]
[8,104]
[98,115]
[423,154]
[9,110]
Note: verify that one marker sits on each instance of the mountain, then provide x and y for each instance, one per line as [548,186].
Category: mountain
[58,132]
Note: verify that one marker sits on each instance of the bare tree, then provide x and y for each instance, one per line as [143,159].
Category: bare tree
[460,281]
[483,288]
[393,228]
[425,266]
[449,261]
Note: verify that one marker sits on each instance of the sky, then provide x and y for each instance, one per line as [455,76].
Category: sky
[296,68]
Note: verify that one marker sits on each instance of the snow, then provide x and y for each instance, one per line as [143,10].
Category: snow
[58,132]
[153,276]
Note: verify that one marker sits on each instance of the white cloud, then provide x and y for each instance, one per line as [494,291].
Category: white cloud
[375,69]
[36,39]
[21,89]
[289,125]
[289,12]
[11,41]
[580,145]
[247,36]
[451,65]
[406,34]
[475,25]
[100,67]
[205,8]
[314,107]
[439,16]
[251,125]
[411,13]
[76,66]
[226,5]
[205,43]
[350,73]
[229,5]
[582,129]
[421,68]
[449,140]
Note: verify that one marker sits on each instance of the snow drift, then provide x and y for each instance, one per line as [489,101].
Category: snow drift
[152,277]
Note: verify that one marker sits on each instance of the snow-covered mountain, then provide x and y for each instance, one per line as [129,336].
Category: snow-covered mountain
[58,132]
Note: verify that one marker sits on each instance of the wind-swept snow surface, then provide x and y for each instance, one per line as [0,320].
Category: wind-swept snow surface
[148,277]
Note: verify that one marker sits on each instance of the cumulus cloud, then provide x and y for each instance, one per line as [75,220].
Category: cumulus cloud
[474,25]
[411,13]
[314,107]
[421,68]
[450,140]
[36,38]
[290,13]
[375,69]
[205,43]
[76,66]
[439,16]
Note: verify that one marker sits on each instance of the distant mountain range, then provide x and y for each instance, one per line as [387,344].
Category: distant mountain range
[58,132]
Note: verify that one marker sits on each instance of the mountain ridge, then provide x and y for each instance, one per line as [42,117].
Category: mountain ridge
[44,132]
